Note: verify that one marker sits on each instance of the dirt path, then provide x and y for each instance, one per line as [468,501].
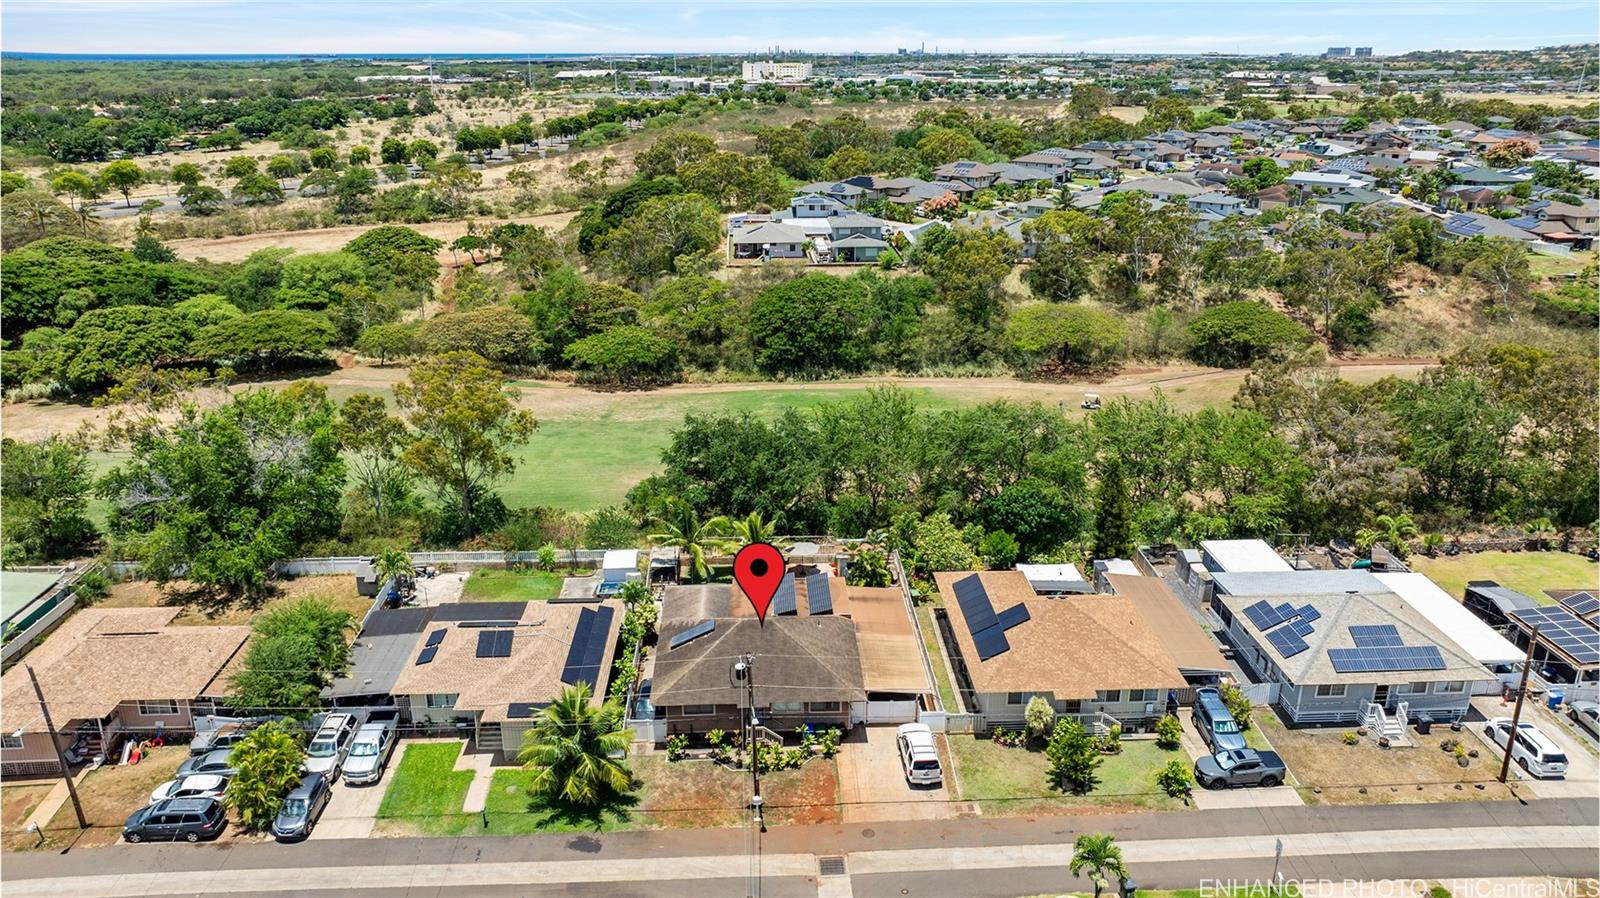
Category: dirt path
[1189,386]
[236,249]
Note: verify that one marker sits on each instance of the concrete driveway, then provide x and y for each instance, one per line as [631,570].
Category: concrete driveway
[1238,796]
[872,786]
[353,809]
[1583,767]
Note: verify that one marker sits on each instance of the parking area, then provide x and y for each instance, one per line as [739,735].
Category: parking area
[1583,767]
[872,787]
[352,810]
[1239,797]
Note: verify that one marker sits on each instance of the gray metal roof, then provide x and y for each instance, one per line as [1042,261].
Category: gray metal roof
[1294,583]
[384,648]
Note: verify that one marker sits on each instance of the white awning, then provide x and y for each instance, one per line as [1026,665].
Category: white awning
[1474,636]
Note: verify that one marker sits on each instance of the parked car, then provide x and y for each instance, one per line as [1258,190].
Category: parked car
[1240,767]
[189,819]
[1586,715]
[302,808]
[919,757]
[218,762]
[326,753]
[199,785]
[226,736]
[1532,750]
[1216,725]
[369,752]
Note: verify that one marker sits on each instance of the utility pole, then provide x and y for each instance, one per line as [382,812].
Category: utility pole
[744,671]
[1516,713]
[55,742]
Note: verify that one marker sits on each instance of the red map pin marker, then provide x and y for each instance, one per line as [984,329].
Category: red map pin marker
[758,568]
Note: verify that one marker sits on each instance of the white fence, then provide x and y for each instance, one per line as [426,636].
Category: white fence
[1260,693]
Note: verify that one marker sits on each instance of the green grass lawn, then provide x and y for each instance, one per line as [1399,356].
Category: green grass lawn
[941,676]
[1527,572]
[1012,781]
[511,586]
[425,792]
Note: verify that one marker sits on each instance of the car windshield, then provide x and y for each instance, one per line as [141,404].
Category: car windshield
[321,750]
[294,807]
[1225,726]
[363,749]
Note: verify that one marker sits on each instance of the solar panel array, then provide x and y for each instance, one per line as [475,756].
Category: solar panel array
[1386,657]
[691,634]
[988,629]
[588,646]
[1583,604]
[427,654]
[1264,616]
[1564,630]
[819,595]
[1287,642]
[1376,636]
[494,644]
[437,636]
[784,600]
[1294,624]
[523,710]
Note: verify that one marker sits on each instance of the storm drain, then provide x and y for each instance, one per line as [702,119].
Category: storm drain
[831,866]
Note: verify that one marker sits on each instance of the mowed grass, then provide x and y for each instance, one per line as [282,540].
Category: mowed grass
[1526,572]
[426,795]
[511,586]
[1014,781]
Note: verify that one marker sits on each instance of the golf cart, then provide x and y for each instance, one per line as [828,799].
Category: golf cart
[1091,401]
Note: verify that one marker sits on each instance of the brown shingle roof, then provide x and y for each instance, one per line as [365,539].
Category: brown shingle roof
[1071,647]
[101,657]
[798,659]
[887,640]
[531,673]
[1184,640]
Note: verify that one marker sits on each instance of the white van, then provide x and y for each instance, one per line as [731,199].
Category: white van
[1533,751]
[919,757]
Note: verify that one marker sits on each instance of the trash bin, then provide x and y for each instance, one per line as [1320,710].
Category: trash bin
[1555,697]
[1424,724]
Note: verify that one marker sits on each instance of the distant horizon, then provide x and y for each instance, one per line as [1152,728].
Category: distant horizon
[156,29]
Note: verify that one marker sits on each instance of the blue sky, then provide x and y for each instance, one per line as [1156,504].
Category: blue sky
[575,26]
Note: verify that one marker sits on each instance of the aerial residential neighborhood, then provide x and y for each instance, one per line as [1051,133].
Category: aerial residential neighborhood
[801,450]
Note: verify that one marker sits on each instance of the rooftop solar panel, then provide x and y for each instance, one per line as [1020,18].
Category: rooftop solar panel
[1564,630]
[524,710]
[1309,613]
[427,654]
[991,642]
[1367,636]
[1263,615]
[975,604]
[588,646]
[819,595]
[1364,659]
[691,634]
[1582,604]
[437,636]
[784,600]
[494,644]
[1012,616]
[1301,628]
[1287,642]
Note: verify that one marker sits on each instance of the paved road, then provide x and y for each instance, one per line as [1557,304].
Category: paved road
[977,857]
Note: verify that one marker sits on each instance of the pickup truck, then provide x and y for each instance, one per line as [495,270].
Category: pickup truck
[1240,767]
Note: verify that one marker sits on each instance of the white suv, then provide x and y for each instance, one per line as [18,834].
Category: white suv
[1533,751]
[919,758]
[326,753]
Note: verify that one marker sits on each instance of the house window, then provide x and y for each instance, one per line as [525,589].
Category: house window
[1411,688]
[1452,686]
[1141,695]
[699,710]
[787,707]
[1107,696]
[823,707]
[1015,698]
[10,740]
[441,699]
[1330,691]
[152,708]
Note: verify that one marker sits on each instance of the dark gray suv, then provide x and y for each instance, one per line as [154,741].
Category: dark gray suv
[189,819]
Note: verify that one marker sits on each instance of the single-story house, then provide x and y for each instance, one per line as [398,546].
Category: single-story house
[1091,656]
[1217,203]
[1566,648]
[1491,649]
[1186,640]
[770,240]
[384,647]
[1164,189]
[1337,656]
[1351,198]
[1467,225]
[858,248]
[486,668]
[977,174]
[109,674]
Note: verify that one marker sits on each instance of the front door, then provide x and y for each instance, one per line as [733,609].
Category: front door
[1380,697]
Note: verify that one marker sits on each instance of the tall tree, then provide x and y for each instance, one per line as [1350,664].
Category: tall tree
[1113,513]
[374,443]
[123,176]
[269,761]
[678,524]
[465,421]
[44,495]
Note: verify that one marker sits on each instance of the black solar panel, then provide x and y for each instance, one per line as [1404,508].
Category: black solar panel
[975,604]
[784,600]
[1582,604]
[524,710]
[819,597]
[437,636]
[494,644]
[588,646]
[1564,630]
[691,634]
[1012,616]
[1287,642]
[991,642]
[1384,658]
[427,654]
[1374,635]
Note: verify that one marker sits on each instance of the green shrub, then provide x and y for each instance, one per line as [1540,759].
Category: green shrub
[1175,778]
[1169,732]
[677,747]
[1235,334]
[1238,704]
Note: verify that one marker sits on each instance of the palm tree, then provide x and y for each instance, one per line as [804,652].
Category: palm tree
[1539,529]
[391,563]
[577,753]
[752,528]
[678,524]
[1097,853]
[1391,530]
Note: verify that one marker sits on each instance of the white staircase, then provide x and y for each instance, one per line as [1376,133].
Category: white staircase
[1381,724]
